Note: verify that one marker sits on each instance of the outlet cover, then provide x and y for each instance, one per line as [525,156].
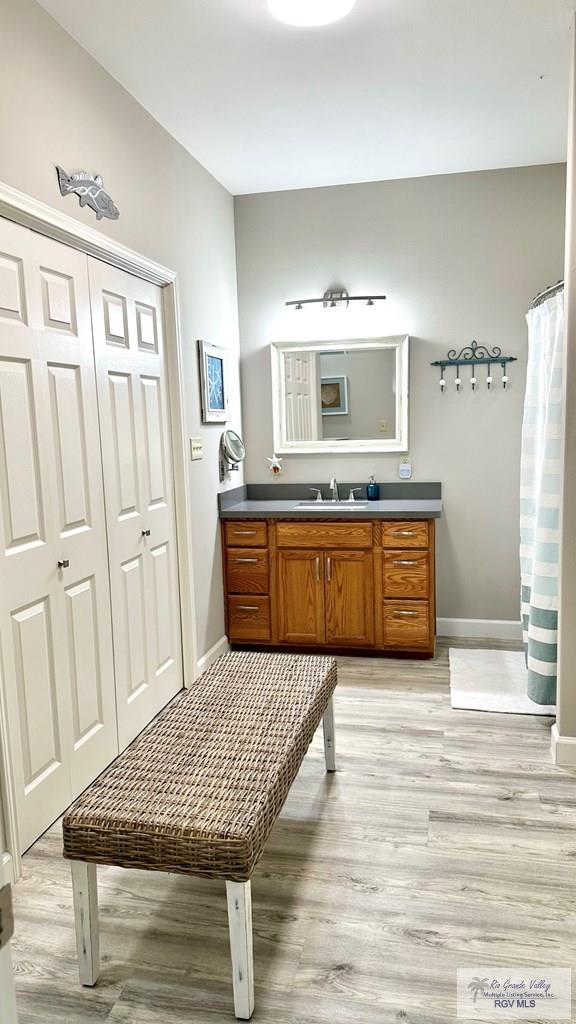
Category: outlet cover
[196,448]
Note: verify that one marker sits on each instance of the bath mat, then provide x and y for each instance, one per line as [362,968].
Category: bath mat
[483,680]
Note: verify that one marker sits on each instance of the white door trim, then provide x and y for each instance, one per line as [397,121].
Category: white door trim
[31,213]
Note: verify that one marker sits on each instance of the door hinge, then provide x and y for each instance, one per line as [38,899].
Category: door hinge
[6,916]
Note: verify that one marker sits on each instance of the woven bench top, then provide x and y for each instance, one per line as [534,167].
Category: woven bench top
[199,791]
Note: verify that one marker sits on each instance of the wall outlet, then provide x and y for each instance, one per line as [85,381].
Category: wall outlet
[196,448]
[405,469]
[383,426]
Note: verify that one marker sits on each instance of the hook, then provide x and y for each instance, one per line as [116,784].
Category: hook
[473,377]
[458,380]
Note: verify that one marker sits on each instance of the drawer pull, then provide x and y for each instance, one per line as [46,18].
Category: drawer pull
[404,533]
[329,569]
[244,533]
[317,560]
[247,607]
[399,614]
[404,561]
[245,559]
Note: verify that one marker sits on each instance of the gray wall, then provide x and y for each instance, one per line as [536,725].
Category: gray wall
[57,105]
[460,257]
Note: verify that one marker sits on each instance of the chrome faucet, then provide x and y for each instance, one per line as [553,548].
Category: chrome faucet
[334,489]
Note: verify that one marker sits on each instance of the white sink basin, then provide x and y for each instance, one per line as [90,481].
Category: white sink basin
[332,506]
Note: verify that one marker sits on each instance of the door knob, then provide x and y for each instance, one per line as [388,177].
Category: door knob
[145,533]
[63,563]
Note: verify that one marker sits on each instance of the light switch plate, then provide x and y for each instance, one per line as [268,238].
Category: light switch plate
[196,448]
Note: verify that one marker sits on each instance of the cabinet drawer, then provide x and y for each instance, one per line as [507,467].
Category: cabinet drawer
[250,534]
[406,573]
[247,570]
[248,618]
[412,533]
[324,535]
[406,624]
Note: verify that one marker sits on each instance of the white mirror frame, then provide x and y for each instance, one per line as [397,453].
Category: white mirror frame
[399,443]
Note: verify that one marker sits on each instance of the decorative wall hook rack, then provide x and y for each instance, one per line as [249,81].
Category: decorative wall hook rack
[474,355]
[336,297]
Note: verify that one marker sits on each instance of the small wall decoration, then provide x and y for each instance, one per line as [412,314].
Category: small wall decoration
[90,191]
[474,355]
[334,396]
[213,382]
[275,466]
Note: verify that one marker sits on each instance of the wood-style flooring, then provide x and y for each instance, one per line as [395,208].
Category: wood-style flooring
[445,839]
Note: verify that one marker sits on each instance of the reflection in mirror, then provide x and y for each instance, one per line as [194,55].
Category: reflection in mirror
[345,396]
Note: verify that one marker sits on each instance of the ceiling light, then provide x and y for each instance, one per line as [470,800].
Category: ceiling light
[310,12]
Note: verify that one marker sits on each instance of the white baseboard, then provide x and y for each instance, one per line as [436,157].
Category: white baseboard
[563,749]
[483,629]
[220,647]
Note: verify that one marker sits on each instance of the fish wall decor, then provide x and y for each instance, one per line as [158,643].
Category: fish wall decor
[90,191]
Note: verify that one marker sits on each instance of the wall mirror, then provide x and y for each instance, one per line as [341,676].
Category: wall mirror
[341,396]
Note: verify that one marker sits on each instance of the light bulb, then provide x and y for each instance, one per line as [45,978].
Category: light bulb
[307,13]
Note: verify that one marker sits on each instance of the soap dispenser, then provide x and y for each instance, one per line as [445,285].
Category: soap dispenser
[373,489]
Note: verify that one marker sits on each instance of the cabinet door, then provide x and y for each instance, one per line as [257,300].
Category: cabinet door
[300,597]
[349,598]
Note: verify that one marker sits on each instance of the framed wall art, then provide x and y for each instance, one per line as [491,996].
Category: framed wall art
[213,382]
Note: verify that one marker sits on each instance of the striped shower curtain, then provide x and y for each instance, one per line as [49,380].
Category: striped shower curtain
[540,497]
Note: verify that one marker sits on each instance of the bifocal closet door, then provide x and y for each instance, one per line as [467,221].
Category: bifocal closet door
[55,623]
[136,455]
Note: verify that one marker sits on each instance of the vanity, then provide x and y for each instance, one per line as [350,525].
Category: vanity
[342,576]
[305,570]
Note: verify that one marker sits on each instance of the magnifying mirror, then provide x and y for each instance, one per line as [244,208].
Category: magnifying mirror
[232,452]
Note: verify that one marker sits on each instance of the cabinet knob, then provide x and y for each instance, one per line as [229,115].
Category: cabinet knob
[63,563]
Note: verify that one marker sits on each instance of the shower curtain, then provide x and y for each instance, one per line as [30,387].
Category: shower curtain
[540,496]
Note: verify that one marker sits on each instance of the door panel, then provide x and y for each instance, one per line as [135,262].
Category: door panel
[19,468]
[36,687]
[124,497]
[51,509]
[133,670]
[68,420]
[300,597]
[350,598]
[135,431]
[83,654]
[153,424]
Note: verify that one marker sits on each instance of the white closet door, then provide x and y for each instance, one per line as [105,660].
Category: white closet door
[55,624]
[136,454]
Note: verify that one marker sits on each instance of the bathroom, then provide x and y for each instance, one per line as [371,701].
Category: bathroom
[241,215]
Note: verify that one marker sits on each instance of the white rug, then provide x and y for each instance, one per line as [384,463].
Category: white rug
[482,680]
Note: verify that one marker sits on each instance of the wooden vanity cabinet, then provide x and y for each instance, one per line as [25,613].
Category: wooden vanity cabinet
[366,585]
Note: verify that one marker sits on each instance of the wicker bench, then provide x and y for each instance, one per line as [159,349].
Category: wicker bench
[199,791]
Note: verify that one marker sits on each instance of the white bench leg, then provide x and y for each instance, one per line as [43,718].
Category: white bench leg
[85,892]
[329,737]
[239,899]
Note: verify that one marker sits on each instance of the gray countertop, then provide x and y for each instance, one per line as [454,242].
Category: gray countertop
[412,508]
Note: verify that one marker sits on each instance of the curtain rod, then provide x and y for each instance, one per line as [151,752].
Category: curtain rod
[546,293]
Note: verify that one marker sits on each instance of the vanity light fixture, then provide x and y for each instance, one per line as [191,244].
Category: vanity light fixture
[310,13]
[335,297]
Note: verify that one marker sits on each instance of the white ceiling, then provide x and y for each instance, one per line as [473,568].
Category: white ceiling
[398,88]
